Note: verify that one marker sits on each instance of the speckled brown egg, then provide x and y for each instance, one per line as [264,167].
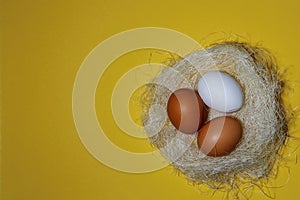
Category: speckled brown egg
[186,110]
[220,136]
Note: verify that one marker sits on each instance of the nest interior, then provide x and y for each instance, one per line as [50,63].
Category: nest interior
[263,116]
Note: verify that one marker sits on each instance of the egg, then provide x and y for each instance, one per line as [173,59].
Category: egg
[220,136]
[220,92]
[185,109]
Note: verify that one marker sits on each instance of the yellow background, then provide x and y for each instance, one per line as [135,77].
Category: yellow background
[43,44]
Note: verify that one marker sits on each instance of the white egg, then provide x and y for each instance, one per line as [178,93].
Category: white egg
[220,92]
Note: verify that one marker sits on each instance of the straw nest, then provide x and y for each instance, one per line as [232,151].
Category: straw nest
[263,116]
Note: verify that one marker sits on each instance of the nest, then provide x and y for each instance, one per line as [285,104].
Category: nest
[263,116]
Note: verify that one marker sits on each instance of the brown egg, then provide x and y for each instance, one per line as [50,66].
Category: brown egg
[186,110]
[219,136]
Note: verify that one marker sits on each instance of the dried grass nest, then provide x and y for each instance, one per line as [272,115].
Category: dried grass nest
[263,116]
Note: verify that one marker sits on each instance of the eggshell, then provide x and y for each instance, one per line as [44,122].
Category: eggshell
[185,109]
[219,136]
[220,92]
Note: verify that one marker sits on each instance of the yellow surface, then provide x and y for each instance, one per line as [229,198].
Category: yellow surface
[43,45]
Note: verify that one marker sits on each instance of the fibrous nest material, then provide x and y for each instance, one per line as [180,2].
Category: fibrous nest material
[263,117]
